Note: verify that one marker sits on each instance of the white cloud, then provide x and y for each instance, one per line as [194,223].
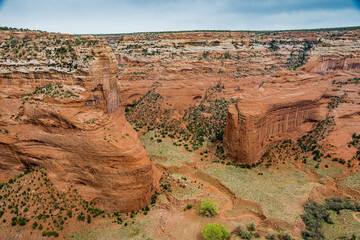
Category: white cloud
[110,16]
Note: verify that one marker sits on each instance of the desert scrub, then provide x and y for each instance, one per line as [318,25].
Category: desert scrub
[334,103]
[354,81]
[315,215]
[204,121]
[30,198]
[299,57]
[55,91]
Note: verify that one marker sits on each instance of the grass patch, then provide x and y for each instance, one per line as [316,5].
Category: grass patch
[164,152]
[353,181]
[345,225]
[280,194]
[332,169]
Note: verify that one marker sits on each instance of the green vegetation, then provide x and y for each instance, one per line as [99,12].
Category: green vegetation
[298,57]
[355,142]
[352,181]
[189,206]
[334,103]
[316,214]
[344,226]
[55,91]
[50,233]
[309,146]
[208,118]
[245,234]
[251,226]
[280,200]
[30,198]
[58,51]
[204,121]
[354,81]
[4,28]
[273,46]
[208,208]
[214,231]
[164,152]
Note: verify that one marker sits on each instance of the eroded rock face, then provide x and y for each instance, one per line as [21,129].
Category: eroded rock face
[333,55]
[274,109]
[265,71]
[68,119]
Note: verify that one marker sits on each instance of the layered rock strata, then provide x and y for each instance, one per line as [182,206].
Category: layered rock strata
[60,109]
[274,109]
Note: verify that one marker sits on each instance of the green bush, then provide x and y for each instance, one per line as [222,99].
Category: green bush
[245,234]
[284,236]
[208,208]
[189,206]
[214,231]
[50,233]
[153,198]
[252,226]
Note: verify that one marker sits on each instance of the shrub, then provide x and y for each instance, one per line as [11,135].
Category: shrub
[208,208]
[214,231]
[252,226]
[69,213]
[153,198]
[245,234]
[189,206]
[284,236]
[50,233]
[21,221]
[34,225]
[313,218]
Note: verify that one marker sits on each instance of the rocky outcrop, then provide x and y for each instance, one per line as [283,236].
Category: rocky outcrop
[70,122]
[274,109]
[335,55]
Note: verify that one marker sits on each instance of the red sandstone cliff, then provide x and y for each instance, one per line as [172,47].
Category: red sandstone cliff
[67,118]
[277,107]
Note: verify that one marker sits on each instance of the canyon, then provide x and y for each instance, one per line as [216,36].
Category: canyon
[147,125]
[278,80]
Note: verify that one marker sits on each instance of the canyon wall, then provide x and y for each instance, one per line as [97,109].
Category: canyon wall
[264,77]
[60,109]
[276,108]
[333,55]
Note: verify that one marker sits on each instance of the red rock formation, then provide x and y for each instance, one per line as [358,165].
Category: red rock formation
[334,55]
[275,108]
[183,65]
[75,128]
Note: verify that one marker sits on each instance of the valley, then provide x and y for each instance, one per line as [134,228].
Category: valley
[129,133]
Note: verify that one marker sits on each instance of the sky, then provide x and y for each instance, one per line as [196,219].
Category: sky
[125,16]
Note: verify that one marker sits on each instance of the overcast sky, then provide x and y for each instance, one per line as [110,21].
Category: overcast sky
[120,16]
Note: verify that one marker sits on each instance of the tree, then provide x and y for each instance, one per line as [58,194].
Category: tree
[208,208]
[273,46]
[213,231]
